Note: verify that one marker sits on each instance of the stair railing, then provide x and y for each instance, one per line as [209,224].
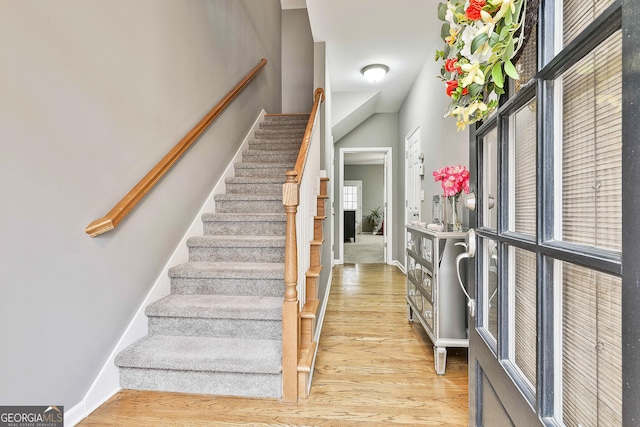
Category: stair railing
[128,202]
[298,196]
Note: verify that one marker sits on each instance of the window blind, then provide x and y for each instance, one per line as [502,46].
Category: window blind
[524,169]
[525,313]
[592,148]
[591,347]
[578,14]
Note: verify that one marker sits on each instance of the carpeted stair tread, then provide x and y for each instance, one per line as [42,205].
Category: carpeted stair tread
[217,307]
[228,270]
[270,156]
[244,224]
[290,124]
[287,117]
[236,241]
[266,142]
[246,217]
[251,197]
[203,354]
[263,169]
[273,133]
[257,152]
[252,165]
[255,180]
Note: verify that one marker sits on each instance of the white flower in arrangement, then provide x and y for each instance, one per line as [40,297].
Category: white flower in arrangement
[470,32]
[451,10]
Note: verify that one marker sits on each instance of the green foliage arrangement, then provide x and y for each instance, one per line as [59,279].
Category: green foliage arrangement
[481,37]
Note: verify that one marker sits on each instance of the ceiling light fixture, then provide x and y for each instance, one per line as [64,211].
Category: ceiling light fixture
[374,72]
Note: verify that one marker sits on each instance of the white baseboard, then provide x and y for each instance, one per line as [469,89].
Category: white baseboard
[400,266]
[107,383]
[74,415]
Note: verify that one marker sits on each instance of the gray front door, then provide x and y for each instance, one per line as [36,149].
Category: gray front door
[550,342]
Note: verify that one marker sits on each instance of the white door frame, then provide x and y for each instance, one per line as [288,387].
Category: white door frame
[388,225]
[406,188]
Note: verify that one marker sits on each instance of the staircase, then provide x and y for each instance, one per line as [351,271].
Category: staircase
[220,329]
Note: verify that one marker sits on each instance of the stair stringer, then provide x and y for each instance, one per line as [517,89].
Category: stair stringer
[107,382]
[310,324]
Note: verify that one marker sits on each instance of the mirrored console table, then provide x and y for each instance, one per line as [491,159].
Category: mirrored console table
[434,296]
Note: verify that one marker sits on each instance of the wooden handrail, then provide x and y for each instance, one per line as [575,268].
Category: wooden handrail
[291,305]
[318,97]
[128,202]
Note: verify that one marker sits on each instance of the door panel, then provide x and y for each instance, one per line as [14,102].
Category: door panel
[413,177]
[412,181]
[546,346]
[493,413]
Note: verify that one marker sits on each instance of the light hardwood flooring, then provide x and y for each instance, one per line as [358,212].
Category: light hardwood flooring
[373,369]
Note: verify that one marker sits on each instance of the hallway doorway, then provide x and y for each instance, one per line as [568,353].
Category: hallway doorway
[364,205]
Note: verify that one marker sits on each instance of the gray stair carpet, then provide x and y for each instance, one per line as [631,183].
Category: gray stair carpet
[220,329]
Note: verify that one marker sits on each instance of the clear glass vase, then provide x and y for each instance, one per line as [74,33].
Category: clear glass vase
[454,217]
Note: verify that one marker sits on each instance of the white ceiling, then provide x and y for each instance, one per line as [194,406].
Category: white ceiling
[357,33]
[398,33]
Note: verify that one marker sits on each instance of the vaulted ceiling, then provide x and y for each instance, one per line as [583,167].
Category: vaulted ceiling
[399,34]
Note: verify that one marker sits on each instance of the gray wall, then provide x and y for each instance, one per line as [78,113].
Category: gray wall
[441,144]
[297,62]
[372,177]
[93,95]
[379,130]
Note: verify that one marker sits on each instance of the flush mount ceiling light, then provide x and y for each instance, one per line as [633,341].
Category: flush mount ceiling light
[374,72]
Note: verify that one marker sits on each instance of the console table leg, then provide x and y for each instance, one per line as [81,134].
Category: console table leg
[440,359]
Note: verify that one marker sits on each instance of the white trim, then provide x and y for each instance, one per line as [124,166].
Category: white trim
[319,324]
[388,185]
[406,186]
[107,382]
[400,266]
[74,415]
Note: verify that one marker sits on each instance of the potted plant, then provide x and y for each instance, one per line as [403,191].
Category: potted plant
[376,219]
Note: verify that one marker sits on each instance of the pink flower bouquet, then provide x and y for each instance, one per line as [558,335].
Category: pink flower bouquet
[454,180]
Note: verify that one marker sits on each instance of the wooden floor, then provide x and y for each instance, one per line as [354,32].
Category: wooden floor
[373,369]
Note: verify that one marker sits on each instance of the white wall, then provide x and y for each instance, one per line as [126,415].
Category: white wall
[297,62]
[93,94]
[442,145]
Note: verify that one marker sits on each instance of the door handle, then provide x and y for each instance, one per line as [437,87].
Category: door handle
[470,201]
[470,251]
